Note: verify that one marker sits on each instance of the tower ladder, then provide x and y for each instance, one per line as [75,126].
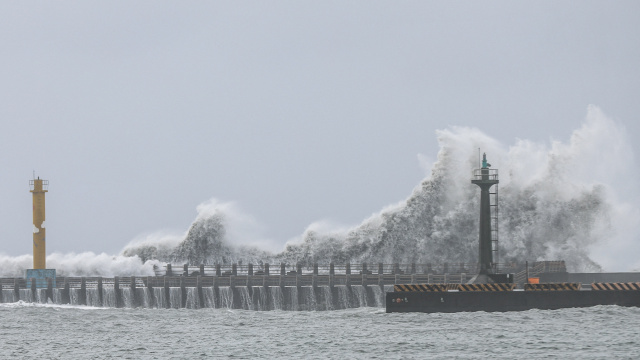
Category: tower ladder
[493,200]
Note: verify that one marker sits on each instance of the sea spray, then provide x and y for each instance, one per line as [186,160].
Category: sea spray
[81,264]
[555,203]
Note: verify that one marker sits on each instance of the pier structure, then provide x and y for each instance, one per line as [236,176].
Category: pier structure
[249,286]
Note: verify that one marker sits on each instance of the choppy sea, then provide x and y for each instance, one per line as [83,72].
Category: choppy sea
[47,331]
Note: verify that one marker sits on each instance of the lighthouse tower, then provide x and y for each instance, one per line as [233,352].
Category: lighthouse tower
[38,188]
[485,178]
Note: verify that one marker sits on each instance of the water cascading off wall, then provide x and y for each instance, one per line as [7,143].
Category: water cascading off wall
[259,298]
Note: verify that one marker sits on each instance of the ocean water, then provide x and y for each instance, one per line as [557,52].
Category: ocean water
[78,332]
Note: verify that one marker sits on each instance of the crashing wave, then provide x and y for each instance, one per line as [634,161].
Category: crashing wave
[554,204]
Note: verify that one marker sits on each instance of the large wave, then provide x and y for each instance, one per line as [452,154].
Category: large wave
[557,201]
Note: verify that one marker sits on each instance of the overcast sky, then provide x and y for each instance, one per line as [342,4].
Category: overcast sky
[136,112]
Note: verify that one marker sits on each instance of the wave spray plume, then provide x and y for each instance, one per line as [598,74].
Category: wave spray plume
[557,202]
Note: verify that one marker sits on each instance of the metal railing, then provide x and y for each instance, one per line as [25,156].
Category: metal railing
[322,269]
[387,273]
[484,174]
[538,268]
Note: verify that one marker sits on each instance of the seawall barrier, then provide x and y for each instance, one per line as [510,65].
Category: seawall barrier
[249,286]
[250,292]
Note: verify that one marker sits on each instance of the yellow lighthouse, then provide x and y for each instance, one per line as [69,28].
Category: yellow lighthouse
[39,188]
[42,276]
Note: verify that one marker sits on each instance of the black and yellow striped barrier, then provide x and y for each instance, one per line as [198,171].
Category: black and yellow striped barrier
[616,286]
[552,287]
[486,287]
[459,287]
[424,287]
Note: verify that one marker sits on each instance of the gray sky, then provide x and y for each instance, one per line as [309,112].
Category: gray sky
[136,112]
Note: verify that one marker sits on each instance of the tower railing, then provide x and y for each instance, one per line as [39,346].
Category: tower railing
[485,174]
[45,184]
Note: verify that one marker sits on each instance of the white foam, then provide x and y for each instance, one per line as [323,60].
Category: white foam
[23,304]
[80,264]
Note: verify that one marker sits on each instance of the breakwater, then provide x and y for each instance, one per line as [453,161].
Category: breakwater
[247,287]
[288,292]
[235,286]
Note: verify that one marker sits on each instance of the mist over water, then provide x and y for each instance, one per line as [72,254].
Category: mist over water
[82,264]
[569,200]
